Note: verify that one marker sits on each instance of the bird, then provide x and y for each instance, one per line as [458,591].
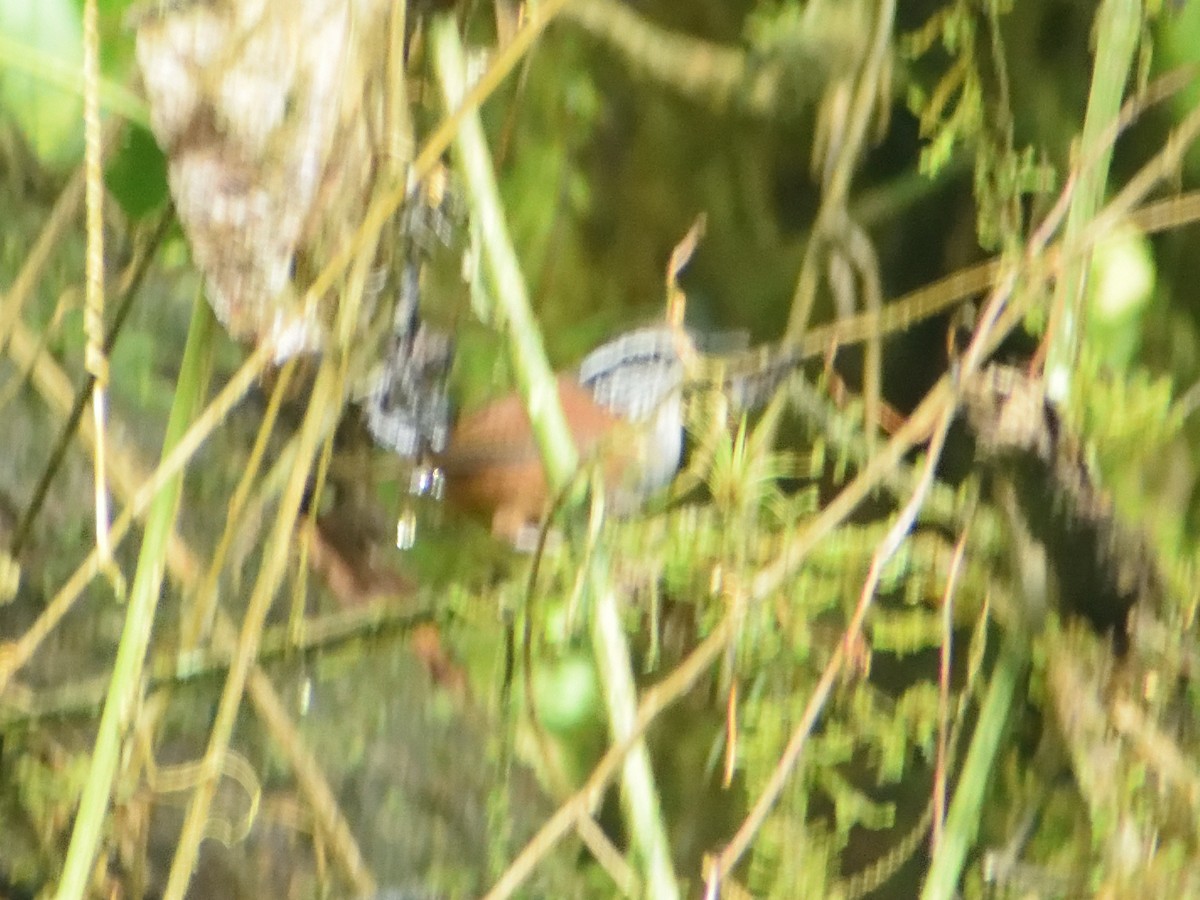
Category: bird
[623,405]
[624,408]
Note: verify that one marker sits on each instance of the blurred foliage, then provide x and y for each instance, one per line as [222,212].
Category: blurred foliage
[604,162]
[48,118]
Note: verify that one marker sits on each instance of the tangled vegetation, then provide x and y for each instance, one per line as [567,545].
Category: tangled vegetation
[916,615]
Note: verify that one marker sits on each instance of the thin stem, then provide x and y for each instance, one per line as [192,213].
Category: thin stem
[62,216]
[138,487]
[534,23]
[1119,24]
[197,615]
[120,709]
[95,360]
[962,823]
[374,623]
[129,293]
[839,174]
[942,766]
[654,701]
[639,793]
[317,424]
[539,390]
[535,380]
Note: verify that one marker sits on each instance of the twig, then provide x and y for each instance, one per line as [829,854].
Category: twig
[1157,216]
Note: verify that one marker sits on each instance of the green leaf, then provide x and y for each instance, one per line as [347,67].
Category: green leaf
[137,175]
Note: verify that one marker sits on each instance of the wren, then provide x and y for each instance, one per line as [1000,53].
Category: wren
[624,409]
